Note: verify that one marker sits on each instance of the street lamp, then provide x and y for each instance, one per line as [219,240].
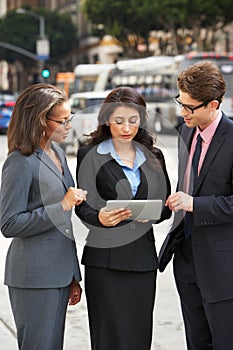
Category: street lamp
[39,17]
[42,44]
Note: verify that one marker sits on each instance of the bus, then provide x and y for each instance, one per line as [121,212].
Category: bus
[92,77]
[155,78]
[66,80]
[225,62]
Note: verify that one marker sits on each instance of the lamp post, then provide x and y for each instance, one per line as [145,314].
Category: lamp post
[42,44]
[39,17]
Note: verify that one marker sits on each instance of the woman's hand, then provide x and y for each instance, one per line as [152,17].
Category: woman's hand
[75,293]
[74,196]
[113,217]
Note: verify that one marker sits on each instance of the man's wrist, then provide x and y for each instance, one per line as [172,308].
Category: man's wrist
[190,209]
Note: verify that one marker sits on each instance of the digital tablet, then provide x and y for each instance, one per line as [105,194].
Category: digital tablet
[149,209]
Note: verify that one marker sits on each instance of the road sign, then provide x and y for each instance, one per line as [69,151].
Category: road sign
[42,49]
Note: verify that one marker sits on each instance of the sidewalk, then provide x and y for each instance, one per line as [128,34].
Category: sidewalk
[168,332]
[7,327]
[168,327]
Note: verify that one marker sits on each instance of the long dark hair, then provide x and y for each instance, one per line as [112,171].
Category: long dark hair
[125,96]
[29,117]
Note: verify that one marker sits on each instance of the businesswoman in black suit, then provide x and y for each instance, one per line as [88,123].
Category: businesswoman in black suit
[120,257]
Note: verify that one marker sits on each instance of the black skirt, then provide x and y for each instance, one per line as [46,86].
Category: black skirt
[120,308]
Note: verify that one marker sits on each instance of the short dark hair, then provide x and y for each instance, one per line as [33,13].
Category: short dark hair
[203,81]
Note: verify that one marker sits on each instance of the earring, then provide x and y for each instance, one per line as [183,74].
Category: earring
[43,133]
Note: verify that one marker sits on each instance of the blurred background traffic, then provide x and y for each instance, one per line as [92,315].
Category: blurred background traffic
[91,46]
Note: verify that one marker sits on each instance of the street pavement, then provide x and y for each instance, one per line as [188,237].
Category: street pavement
[168,330]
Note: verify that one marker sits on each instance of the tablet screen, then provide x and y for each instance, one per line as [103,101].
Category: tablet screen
[149,209]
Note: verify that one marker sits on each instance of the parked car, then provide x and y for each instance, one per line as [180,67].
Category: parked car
[85,107]
[6,109]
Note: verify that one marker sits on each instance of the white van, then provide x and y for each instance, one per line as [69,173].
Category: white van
[85,107]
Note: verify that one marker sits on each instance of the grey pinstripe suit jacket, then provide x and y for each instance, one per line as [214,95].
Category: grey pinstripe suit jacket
[42,253]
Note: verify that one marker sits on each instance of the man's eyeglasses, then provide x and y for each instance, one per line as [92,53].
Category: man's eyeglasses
[64,123]
[188,108]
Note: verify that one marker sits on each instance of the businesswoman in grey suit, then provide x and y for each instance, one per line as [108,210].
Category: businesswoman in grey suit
[120,257]
[37,195]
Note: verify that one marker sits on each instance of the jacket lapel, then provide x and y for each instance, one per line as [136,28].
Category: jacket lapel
[185,141]
[118,176]
[44,158]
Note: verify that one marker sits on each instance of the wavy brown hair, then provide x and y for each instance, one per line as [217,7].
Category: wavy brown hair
[28,120]
[125,96]
[121,96]
[203,81]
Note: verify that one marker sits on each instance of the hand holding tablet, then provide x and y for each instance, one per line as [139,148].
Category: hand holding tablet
[149,209]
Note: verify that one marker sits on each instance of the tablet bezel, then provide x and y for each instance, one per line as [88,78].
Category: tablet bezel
[149,209]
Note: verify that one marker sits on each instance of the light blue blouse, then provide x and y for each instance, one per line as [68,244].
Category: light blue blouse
[132,174]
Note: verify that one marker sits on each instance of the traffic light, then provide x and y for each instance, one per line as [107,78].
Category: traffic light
[45,73]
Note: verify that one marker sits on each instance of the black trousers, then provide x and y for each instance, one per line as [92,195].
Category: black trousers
[120,308]
[208,326]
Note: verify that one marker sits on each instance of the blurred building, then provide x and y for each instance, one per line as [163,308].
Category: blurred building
[48,4]
[3,7]
[98,49]
[89,49]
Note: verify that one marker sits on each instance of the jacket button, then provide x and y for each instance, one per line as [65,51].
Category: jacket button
[67,230]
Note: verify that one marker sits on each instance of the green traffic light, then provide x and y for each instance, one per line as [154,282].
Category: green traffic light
[45,73]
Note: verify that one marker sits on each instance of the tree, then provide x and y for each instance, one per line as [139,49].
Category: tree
[22,30]
[62,35]
[131,27]
[131,23]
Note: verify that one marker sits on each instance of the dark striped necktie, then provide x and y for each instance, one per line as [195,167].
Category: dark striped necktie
[193,181]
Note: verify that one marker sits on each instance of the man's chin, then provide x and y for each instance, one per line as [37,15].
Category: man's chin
[189,123]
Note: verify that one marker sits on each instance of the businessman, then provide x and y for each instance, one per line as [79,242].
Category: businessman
[201,238]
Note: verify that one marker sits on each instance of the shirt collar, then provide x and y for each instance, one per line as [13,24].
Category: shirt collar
[208,132]
[107,146]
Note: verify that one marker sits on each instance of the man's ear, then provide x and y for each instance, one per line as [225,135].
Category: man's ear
[214,104]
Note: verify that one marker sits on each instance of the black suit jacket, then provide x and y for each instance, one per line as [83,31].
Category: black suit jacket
[212,218]
[129,245]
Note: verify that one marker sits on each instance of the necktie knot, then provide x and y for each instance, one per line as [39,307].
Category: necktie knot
[199,139]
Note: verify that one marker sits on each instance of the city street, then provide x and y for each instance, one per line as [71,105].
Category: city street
[88,51]
[168,331]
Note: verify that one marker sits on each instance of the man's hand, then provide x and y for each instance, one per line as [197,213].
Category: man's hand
[180,200]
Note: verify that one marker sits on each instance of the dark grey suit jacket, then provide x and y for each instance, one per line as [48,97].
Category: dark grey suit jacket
[42,253]
[212,219]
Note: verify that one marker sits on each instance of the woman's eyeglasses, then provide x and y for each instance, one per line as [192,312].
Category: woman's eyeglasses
[64,123]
